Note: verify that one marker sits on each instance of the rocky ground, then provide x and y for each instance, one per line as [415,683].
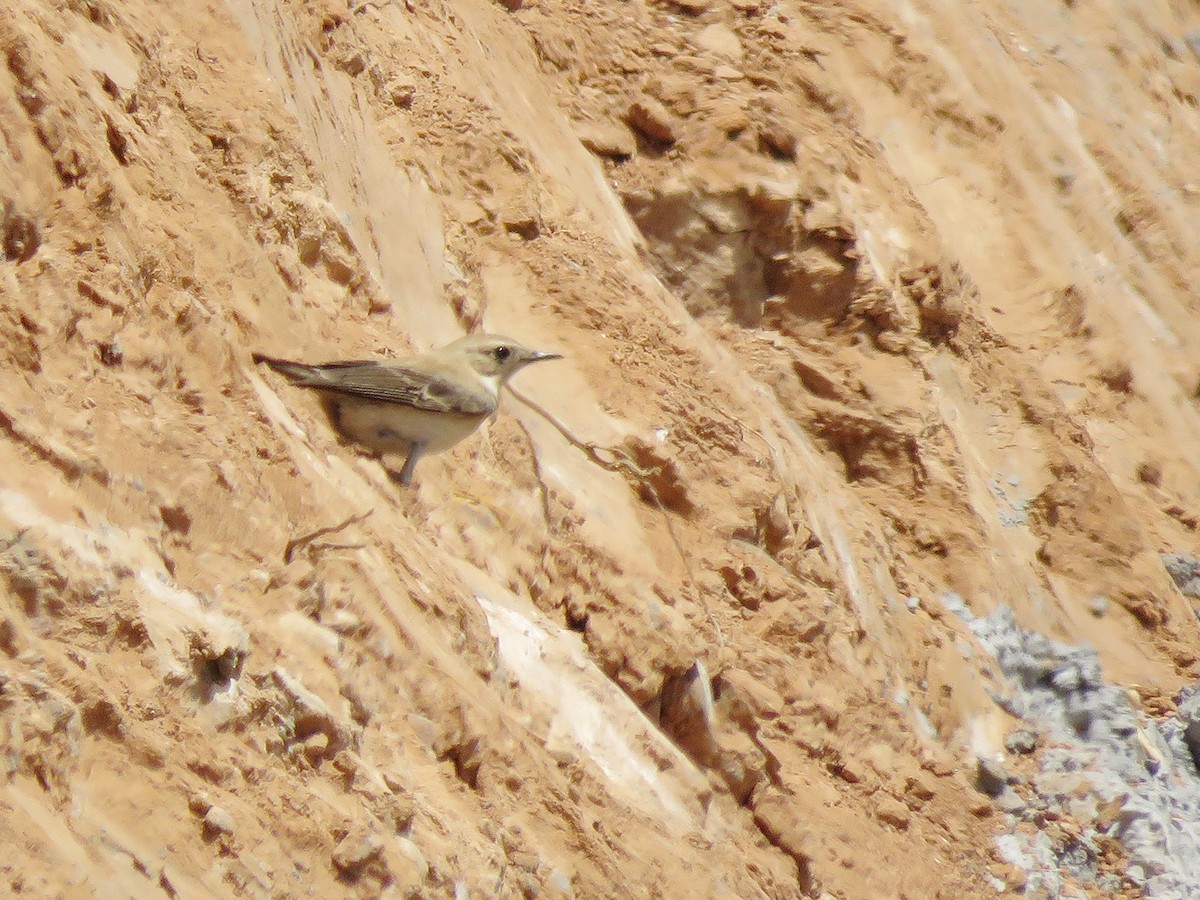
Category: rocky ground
[850,552]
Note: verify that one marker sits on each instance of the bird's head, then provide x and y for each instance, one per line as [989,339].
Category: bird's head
[494,356]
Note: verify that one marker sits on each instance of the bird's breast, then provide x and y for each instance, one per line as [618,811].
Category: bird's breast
[392,428]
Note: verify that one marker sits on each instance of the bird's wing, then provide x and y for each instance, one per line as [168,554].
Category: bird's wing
[397,383]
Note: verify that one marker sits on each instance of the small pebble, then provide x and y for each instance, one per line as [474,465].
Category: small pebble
[990,777]
[1023,741]
[653,120]
[610,139]
[218,821]
[355,851]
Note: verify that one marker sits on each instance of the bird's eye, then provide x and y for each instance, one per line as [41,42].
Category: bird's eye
[502,353]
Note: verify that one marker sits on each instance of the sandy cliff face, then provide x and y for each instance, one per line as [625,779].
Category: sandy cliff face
[879,321]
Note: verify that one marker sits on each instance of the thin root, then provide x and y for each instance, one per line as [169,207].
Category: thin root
[623,462]
[301,543]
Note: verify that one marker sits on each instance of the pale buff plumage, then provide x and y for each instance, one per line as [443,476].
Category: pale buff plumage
[423,404]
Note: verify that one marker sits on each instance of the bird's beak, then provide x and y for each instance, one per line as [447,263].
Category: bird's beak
[539,355]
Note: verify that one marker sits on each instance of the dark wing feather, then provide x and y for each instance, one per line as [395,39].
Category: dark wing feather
[347,364]
[395,383]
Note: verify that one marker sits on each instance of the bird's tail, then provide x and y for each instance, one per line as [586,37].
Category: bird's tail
[296,373]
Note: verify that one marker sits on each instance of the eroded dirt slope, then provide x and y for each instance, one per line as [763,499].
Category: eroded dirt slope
[863,305]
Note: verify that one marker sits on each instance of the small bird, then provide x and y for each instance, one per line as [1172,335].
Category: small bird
[423,404]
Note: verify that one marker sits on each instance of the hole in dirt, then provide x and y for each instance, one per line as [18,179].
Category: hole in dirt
[753,253]
[467,757]
[576,620]
[662,484]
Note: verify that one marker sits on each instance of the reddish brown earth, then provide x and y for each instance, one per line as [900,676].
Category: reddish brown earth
[861,302]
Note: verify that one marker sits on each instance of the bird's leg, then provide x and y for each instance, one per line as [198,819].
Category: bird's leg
[410,464]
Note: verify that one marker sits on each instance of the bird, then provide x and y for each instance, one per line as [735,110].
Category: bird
[422,404]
